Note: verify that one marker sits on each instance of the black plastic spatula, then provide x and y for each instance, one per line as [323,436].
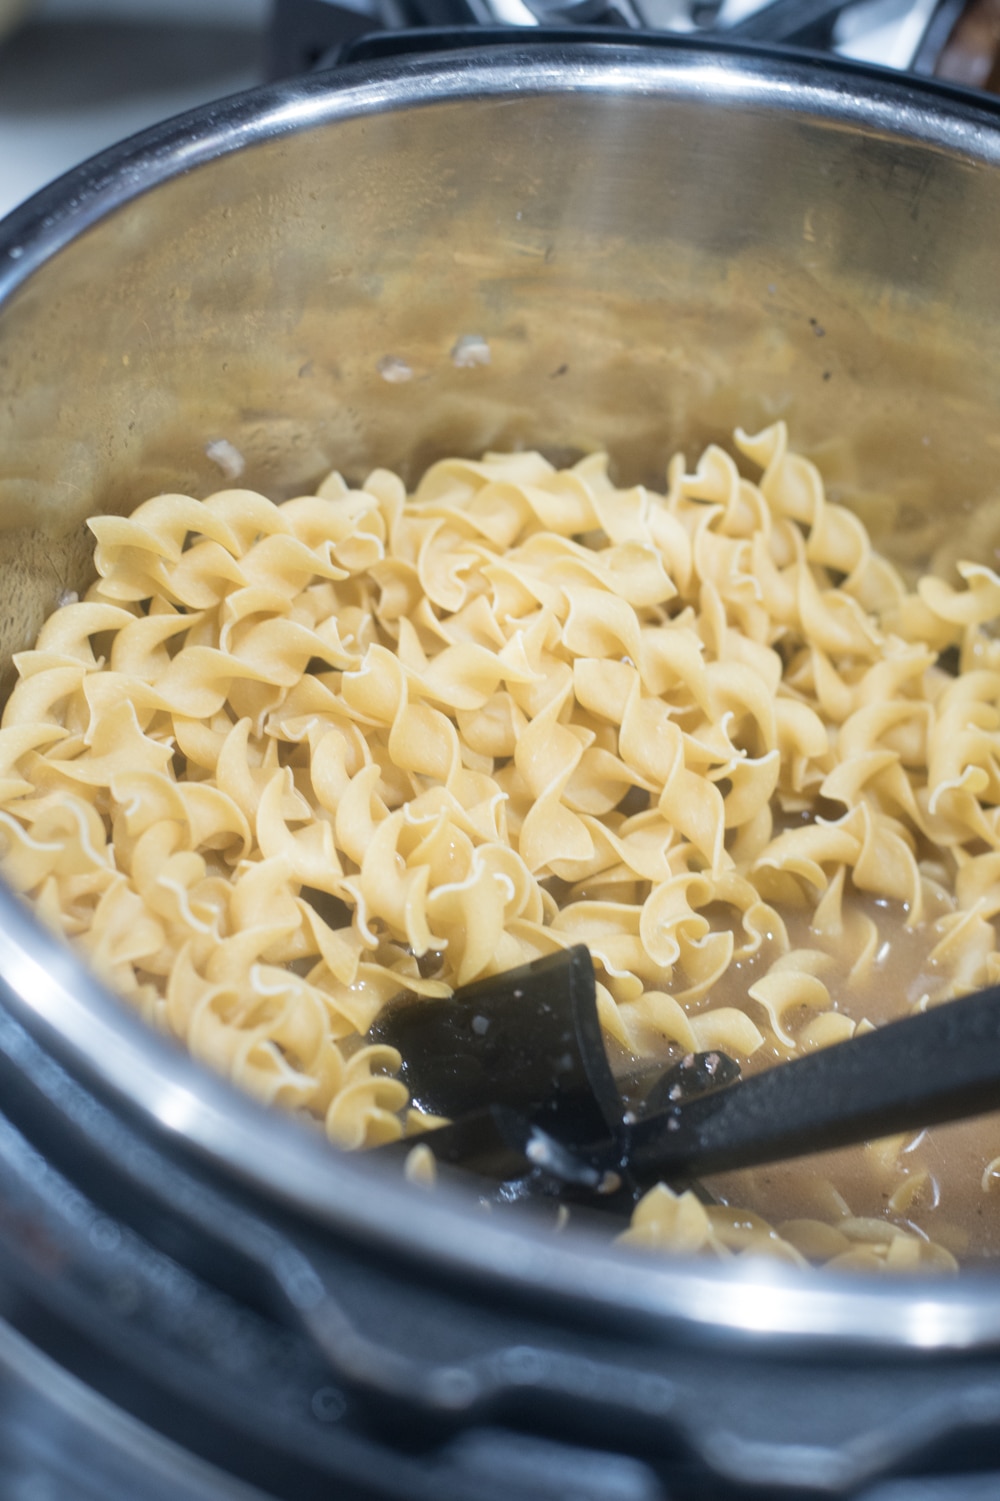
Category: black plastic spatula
[546,1068]
[940,1065]
[528,1039]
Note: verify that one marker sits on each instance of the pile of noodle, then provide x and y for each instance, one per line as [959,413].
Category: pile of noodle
[284,762]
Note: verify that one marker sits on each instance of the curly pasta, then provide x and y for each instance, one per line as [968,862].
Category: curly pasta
[283,762]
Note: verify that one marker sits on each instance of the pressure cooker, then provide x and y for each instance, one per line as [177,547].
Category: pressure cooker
[656,240]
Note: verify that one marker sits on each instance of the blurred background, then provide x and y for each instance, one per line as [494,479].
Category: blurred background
[76,75]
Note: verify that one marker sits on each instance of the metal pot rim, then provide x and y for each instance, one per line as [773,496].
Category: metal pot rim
[48,991]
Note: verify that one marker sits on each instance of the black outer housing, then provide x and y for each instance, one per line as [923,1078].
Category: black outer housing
[306,34]
[179,1298]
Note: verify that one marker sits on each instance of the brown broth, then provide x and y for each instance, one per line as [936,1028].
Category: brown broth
[930,1182]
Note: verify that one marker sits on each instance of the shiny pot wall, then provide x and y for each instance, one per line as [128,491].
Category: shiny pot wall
[653,247]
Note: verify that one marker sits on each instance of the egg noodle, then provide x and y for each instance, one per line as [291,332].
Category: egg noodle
[283,762]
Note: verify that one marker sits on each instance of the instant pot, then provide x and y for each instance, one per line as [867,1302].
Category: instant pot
[655,240]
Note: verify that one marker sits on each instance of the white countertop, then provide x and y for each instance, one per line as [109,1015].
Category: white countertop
[78,75]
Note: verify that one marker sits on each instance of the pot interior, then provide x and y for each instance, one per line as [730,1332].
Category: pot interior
[564,250]
[652,253]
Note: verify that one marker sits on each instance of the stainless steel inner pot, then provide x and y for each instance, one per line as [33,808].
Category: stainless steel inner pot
[655,246]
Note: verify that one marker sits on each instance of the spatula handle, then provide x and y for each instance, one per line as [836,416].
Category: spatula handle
[940,1065]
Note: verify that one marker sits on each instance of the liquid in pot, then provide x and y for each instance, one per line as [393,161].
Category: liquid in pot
[709,733]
